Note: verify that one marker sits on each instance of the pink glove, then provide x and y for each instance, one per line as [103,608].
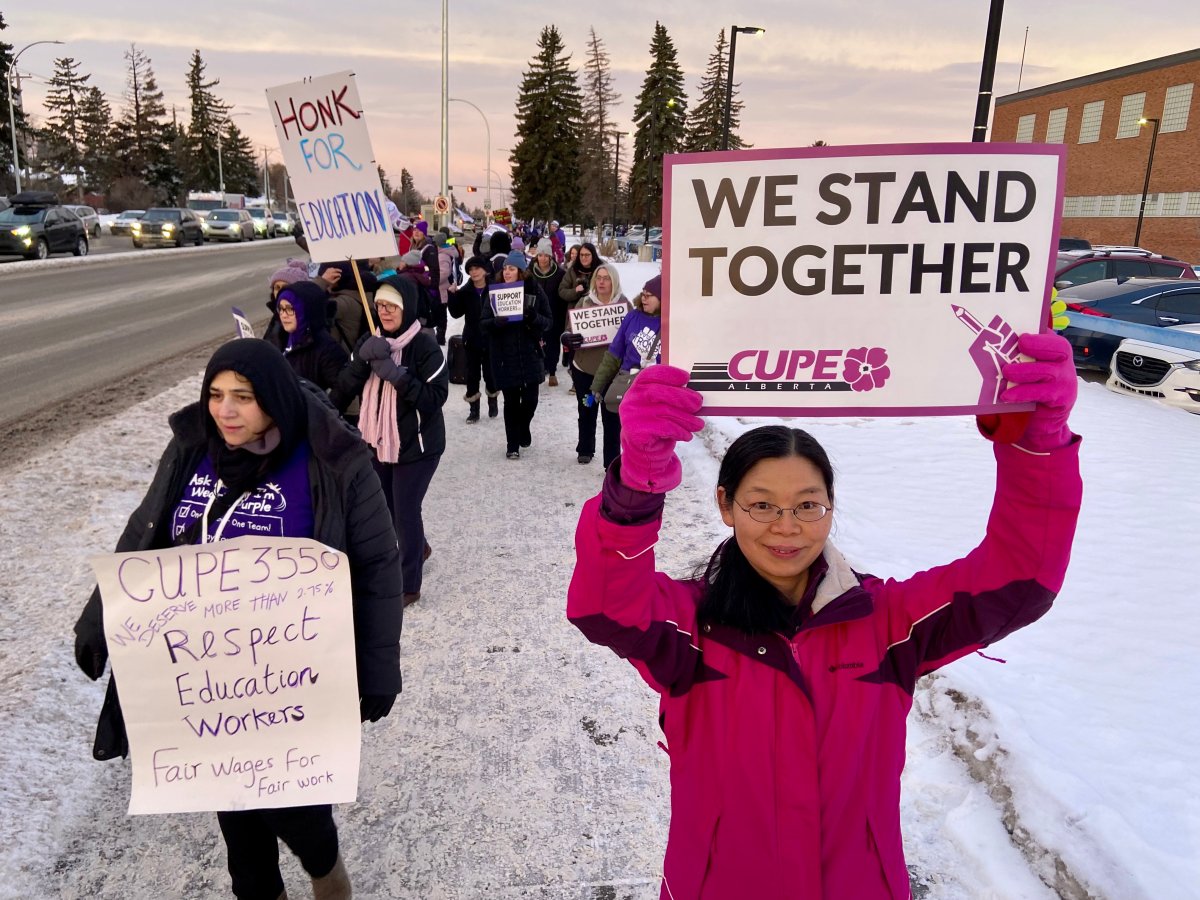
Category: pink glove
[1050,382]
[658,411]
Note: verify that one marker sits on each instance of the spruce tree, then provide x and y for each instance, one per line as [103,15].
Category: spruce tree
[7,179]
[661,128]
[596,162]
[409,202]
[63,133]
[545,160]
[139,137]
[239,162]
[96,152]
[706,127]
[208,114]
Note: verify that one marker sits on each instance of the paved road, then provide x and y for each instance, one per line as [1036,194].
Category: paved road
[73,328]
[102,246]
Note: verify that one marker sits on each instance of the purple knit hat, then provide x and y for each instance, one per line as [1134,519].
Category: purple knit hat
[654,286]
[289,274]
[423,227]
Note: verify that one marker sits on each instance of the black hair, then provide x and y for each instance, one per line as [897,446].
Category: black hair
[734,593]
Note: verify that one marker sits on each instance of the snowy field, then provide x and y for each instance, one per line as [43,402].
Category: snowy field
[520,762]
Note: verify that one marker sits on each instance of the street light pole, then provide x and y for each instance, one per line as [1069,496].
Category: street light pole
[616,179]
[991,43]
[445,185]
[650,163]
[733,33]
[1137,235]
[12,117]
[488,128]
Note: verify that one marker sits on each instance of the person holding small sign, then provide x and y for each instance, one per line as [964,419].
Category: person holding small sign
[514,346]
[257,442]
[636,345]
[786,676]
[605,291]
[468,303]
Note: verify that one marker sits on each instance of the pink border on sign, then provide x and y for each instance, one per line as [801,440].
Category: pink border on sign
[674,159]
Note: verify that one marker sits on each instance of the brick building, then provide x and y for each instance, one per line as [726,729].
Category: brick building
[1097,117]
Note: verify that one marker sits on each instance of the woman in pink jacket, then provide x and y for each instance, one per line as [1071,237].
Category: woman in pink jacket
[785,676]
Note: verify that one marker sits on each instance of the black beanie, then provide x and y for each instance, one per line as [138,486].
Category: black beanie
[479,262]
[501,243]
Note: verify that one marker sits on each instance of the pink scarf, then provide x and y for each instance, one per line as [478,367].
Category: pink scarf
[377,417]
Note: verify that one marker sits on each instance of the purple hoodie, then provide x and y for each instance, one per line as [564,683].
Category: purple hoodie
[635,339]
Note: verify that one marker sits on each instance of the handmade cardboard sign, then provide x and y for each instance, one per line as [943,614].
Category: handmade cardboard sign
[322,132]
[508,300]
[884,280]
[597,324]
[236,670]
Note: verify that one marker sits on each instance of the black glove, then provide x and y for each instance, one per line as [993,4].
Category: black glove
[571,340]
[389,371]
[376,706]
[375,347]
[91,654]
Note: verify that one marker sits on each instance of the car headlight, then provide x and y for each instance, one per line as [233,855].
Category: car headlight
[1194,365]
[136,226]
[22,231]
[168,227]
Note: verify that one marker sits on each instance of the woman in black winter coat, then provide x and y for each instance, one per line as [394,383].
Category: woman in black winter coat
[548,275]
[303,310]
[259,435]
[515,348]
[402,378]
[467,302]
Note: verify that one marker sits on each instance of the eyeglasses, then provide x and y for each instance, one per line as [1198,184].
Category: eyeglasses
[766,513]
[384,307]
[286,310]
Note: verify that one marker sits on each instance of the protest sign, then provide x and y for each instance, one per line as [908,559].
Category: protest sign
[884,280]
[597,324]
[242,324]
[508,300]
[322,132]
[236,669]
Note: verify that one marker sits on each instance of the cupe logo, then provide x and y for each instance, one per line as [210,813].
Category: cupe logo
[854,369]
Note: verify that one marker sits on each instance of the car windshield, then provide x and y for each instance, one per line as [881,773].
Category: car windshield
[258,213]
[21,215]
[132,214]
[163,215]
[280,217]
[222,215]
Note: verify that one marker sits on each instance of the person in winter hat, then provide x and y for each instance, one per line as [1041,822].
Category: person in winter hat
[516,354]
[636,345]
[304,309]
[785,675]
[401,376]
[547,275]
[433,265]
[448,260]
[467,303]
[557,241]
[262,455]
[293,271]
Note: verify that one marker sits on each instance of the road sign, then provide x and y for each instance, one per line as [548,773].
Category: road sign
[487,204]
[441,205]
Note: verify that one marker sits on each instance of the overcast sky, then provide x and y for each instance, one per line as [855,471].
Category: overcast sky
[850,72]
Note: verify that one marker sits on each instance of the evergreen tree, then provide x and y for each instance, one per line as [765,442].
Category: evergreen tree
[818,144]
[239,162]
[63,133]
[659,118]
[596,162]
[6,138]
[383,181]
[208,114]
[140,135]
[706,127]
[166,171]
[410,201]
[95,125]
[545,160]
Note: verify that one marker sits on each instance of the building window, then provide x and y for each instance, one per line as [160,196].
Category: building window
[1132,106]
[1108,205]
[1193,204]
[1129,204]
[1089,128]
[1056,126]
[1025,128]
[1175,108]
[1171,204]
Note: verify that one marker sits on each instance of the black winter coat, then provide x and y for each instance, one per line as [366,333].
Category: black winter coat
[515,348]
[351,515]
[466,303]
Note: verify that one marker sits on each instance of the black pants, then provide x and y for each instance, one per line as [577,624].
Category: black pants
[252,845]
[404,487]
[479,359]
[437,318]
[520,403]
[587,416]
[552,337]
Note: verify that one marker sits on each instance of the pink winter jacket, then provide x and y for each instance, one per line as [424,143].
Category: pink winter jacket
[786,754]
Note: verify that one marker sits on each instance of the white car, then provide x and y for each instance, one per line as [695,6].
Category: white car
[1167,374]
[91,219]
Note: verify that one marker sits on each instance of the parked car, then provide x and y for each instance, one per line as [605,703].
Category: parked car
[284,223]
[230,225]
[1074,243]
[264,221]
[1167,374]
[1081,266]
[122,223]
[36,226]
[167,226]
[90,218]
[1150,301]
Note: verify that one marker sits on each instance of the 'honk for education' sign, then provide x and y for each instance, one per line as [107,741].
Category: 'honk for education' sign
[236,670]
[886,280]
[322,132]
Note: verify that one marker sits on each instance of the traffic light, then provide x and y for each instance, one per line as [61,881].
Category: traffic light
[471,189]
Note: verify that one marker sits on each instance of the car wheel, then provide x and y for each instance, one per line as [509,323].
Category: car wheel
[41,250]
[137,245]
[81,246]
[96,230]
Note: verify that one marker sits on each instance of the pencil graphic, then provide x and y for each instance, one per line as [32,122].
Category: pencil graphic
[964,315]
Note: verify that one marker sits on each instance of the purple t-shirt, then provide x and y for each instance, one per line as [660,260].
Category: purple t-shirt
[281,507]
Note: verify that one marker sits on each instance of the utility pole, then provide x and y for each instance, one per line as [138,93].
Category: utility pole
[445,188]
[983,106]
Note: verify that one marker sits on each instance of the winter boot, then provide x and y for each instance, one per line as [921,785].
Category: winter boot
[493,405]
[335,885]
[473,415]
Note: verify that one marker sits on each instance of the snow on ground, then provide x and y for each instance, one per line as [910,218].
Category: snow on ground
[521,760]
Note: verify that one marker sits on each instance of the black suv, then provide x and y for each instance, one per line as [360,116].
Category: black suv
[36,226]
[168,227]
